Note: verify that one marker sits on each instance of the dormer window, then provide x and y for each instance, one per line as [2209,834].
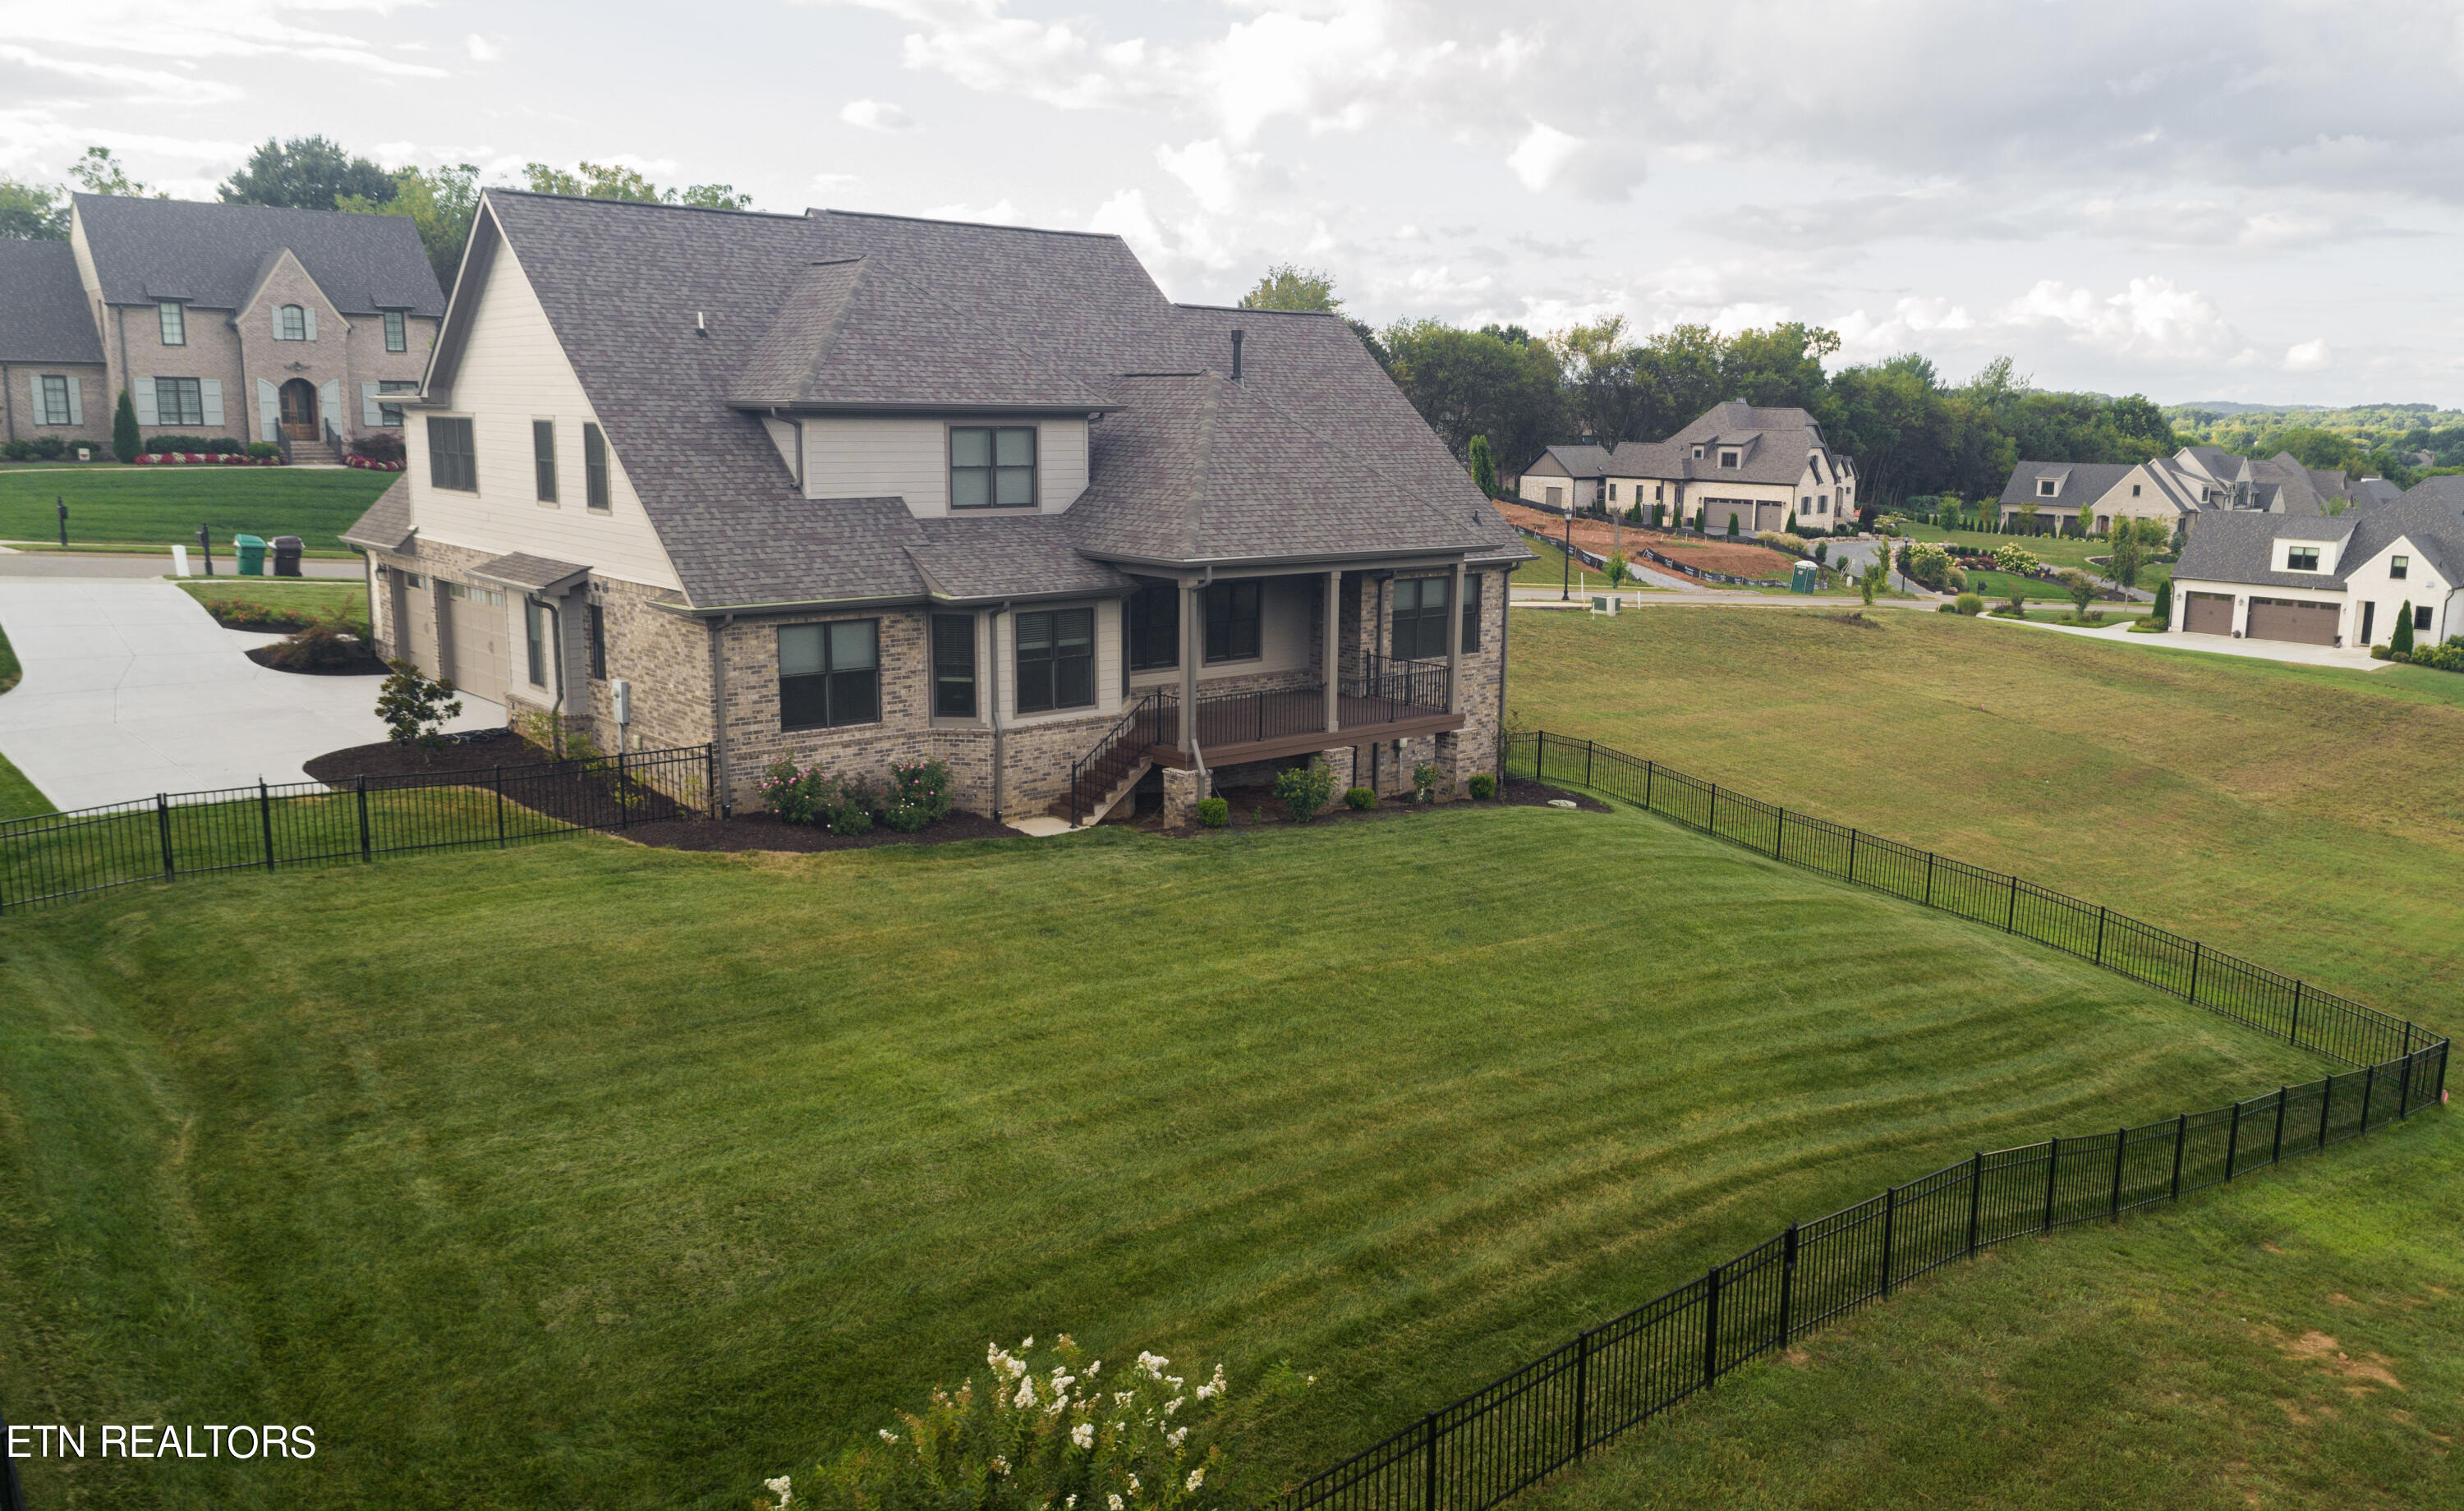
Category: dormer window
[1698,453]
[291,324]
[2302,559]
[2048,487]
[2398,567]
[1727,458]
[991,467]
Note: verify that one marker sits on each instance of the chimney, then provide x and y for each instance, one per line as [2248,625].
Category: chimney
[1237,334]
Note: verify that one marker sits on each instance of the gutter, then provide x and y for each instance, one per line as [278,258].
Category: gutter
[718,711]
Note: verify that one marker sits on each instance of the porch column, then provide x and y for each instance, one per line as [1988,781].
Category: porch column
[1193,643]
[1330,658]
[1454,644]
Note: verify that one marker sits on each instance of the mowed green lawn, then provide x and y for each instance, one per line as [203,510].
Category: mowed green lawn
[2289,1342]
[165,505]
[2286,814]
[19,798]
[589,1176]
[2056,551]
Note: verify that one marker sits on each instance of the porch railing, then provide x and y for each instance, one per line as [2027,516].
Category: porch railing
[1245,719]
[1153,720]
[1386,690]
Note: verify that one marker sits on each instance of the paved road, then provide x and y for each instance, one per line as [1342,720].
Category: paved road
[69,564]
[131,688]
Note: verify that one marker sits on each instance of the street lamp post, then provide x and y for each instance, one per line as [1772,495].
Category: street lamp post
[1566,594]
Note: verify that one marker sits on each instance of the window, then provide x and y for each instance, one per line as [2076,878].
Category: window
[534,638]
[1420,617]
[450,461]
[1056,660]
[598,621]
[178,400]
[2397,566]
[544,458]
[175,322]
[391,414]
[2046,487]
[56,401]
[1232,620]
[954,666]
[2134,490]
[594,468]
[1659,492]
[991,467]
[829,674]
[397,334]
[1154,627]
[1822,503]
[1805,505]
[291,324]
[2421,618]
[1471,612]
[1698,453]
[2302,559]
[1727,458]
[1613,492]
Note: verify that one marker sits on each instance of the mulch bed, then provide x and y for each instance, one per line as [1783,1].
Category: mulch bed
[478,749]
[1259,809]
[761,831]
[363,664]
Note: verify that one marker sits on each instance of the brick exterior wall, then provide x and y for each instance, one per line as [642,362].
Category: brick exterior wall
[19,418]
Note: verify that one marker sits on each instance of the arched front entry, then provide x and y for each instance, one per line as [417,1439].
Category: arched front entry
[299,417]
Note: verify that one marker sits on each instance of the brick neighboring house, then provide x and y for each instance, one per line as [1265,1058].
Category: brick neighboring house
[2176,489]
[305,327]
[1767,468]
[856,490]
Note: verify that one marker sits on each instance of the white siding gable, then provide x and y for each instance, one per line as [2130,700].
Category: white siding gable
[908,456]
[512,372]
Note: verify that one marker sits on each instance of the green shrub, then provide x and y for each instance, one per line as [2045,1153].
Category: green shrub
[1214,813]
[1305,791]
[1483,787]
[1970,604]
[792,793]
[413,707]
[332,640]
[202,444]
[263,450]
[124,428]
[1424,781]
[2447,657]
[2402,641]
[2012,558]
[1359,799]
[851,819]
[2380,652]
[918,795]
[1732,527]
[2163,608]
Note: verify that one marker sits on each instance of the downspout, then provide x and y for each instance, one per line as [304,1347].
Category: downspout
[8,399]
[722,799]
[992,687]
[1505,617]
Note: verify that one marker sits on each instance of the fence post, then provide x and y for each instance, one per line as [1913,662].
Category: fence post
[1928,900]
[2052,1165]
[1647,769]
[2121,1142]
[2369,1083]
[1714,826]
[2326,1095]
[163,823]
[265,816]
[367,852]
[1852,855]
[2180,1136]
[2194,971]
[625,810]
[2011,920]
[1429,1469]
[2293,1035]
[1589,746]
[1787,1282]
[1890,1222]
[2100,933]
[2404,1092]
[500,805]
[2232,1141]
[1779,833]
[1582,1390]
[1711,1331]
[1539,755]
[2276,1146]
[1975,1197]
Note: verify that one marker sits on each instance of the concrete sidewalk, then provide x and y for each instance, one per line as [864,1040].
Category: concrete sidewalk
[2283,650]
[155,564]
[131,688]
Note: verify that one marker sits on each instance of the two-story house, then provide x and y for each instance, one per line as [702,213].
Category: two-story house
[1766,468]
[2321,579]
[855,489]
[2176,489]
[299,327]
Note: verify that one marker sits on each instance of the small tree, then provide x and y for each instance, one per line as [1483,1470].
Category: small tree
[1618,571]
[1483,467]
[1871,583]
[1658,515]
[2401,641]
[2127,555]
[124,428]
[415,707]
[1822,552]
[2163,613]
[2081,589]
[1733,526]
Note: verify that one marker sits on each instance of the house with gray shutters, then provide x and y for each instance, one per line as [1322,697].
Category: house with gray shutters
[2175,491]
[853,489]
[299,327]
[2328,579]
[1761,468]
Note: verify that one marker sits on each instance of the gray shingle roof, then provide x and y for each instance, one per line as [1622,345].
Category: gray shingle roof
[214,254]
[43,314]
[2234,545]
[1018,555]
[1053,319]
[2080,482]
[1581,461]
[530,572]
[386,524]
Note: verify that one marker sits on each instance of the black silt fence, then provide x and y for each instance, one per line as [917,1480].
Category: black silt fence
[55,857]
[1546,1416]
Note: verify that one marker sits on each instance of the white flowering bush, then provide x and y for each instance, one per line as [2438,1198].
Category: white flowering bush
[1061,1433]
[2008,557]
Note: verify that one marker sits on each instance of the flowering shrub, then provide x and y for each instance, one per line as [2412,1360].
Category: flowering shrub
[2008,557]
[844,805]
[1068,1437]
[1928,563]
[1305,790]
[918,795]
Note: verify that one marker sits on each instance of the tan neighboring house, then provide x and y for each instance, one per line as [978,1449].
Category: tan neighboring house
[1767,468]
[2176,489]
[300,327]
[857,489]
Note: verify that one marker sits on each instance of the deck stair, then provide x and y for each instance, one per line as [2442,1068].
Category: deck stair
[1100,779]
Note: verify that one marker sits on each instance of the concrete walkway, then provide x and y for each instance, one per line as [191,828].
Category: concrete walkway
[2283,650]
[155,564]
[131,688]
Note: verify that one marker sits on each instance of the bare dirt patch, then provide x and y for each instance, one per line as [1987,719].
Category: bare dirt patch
[1598,537]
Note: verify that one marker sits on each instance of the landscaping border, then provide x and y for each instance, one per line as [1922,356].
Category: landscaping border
[1509,1435]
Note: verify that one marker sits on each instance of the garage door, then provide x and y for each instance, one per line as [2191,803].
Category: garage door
[2208,613]
[2283,619]
[478,638]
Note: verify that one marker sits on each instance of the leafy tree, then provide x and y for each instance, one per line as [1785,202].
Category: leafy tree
[99,172]
[1779,366]
[415,707]
[1478,383]
[32,211]
[2128,555]
[1618,571]
[2082,589]
[1484,466]
[124,435]
[1604,391]
[441,203]
[2402,639]
[306,173]
[608,181]
[2162,612]
[1288,286]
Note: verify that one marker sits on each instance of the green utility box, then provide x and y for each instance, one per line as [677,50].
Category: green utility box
[1807,579]
[251,551]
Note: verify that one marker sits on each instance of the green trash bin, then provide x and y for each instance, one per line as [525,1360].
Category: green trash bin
[251,551]
[1807,579]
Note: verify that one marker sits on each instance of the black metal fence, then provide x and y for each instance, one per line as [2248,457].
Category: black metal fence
[266,827]
[1547,1414]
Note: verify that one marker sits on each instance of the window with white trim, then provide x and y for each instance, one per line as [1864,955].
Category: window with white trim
[175,322]
[56,401]
[391,414]
[291,324]
[397,331]
[2398,567]
[179,401]
[2302,559]
[2046,487]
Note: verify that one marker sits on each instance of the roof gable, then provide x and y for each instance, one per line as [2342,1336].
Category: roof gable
[214,255]
[43,314]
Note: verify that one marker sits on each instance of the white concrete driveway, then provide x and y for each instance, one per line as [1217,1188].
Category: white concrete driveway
[131,688]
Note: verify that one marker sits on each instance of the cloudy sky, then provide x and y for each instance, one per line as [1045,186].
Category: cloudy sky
[2253,200]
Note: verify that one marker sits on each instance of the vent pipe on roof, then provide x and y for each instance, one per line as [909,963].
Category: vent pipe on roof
[1237,334]
[701,323]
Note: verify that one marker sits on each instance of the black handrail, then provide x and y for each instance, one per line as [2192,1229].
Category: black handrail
[1119,738]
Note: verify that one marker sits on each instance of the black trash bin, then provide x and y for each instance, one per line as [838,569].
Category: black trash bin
[286,555]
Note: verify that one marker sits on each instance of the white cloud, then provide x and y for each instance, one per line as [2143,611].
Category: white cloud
[826,181]
[1911,319]
[127,81]
[1216,176]
[2152,318]
[1000,213]
[482,50]
[207,31]
[2308,357]
[875,115]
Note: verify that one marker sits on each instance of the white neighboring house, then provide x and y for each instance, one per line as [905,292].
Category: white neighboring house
[2328,581]
[1567,477]
[2195,480]
[1767,468]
